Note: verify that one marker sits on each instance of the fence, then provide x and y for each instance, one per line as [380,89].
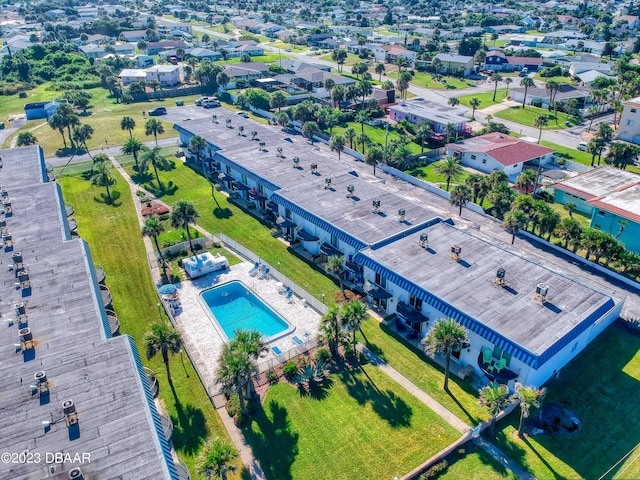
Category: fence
[177,92]
[264,365]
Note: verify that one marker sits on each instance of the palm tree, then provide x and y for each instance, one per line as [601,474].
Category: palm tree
[153,227]
[526,83]
[309,129]
[449,168]
[197,145]
[460,195]
[569,230]
[553,88]
[495,78]
[474,103]
[507,81]
[494,398]
[335,266]
[103,178]
[331,328]
[527,179]
[540,122]
[164,339]
[251,344]
[154,157]
[362,117]
[81,134]
[184,213]
[350,134]
[570,208]
[593,147]
[362,139]
[132,147]
[453,101]
[446,336]
[235,371]
[128,123]
[379,69]
[337,144]
[513,221]
[353,314]
[451,130]
[214,460]
[529,397]
[154,127]
[56,122]
[373,156]
[592,111]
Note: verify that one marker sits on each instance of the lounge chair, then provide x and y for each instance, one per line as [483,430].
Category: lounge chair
[487,356]
[265,274]
[288,294]
[276,350]
[255,269]
[296,340]
[501,364]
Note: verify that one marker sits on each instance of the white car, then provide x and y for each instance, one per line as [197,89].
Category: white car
[582,146]
[242,114]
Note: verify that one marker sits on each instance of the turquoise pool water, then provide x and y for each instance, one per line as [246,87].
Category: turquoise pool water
[235,307]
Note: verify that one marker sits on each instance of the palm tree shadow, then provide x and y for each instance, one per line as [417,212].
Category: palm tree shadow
[542,459]
[161,190]
[222,213]
[113,201]
[167,165]
[273,441]
[466,412]
[318,391]
[189,427]
[141,178]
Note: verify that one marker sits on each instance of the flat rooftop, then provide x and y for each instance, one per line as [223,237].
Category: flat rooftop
[468,285]
[435,112]
[624,203]
[72,345]
[598,182]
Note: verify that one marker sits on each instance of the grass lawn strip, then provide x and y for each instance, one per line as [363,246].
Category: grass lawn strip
[366,425]
[527,116]
[117,244]
[486,98]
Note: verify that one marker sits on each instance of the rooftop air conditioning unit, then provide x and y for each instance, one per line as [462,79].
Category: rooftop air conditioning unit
[401,215]
[4,193]
[17,258]
[279,150]
[424,240]
[20,309]
[455,251]
[500,277]
[76,474]
[68,407]
[6,239]
[296,162]
[350,189]
[376,205]
[25,334]
[327,183]
[314,168]
[40,377]
[542,289]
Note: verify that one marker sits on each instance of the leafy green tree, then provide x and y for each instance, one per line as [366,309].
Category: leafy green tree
[26,138]
[362,139]
[154,127]
[474,103]
[527,179]
[445,337]
[501,195]
[235,371]
[214,460]
[309,129]
[529,397]
[278,100]
[449,168]
[373,156]
[350,134]
[162,339]
[153,227]
[494,398]
[540,122]
[184,213]
[197,146]
[513,221]
[460,196]
[331,328]
[569,230]
[454,101]
[56,122]
[128,123]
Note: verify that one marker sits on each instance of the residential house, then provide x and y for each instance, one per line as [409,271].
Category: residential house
[630,21]
[196,52]
[611,197]
[629,125]
[587,78]
[542,96]
[145,61]
[165,27]
[132,75]
[576,68]
[498,61]
[37,110]
[293,66]
[243,73]
[439,116]
[455,64]
[378,52]
[314,39]
[154,48]
[167,75]
[124,49]
[93,51]
[498,151]
[133,36]
[328,44]
[312,80]
[393,52]
[270,29]
[502,29]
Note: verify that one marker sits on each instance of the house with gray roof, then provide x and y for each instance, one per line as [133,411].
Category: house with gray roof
[455,64]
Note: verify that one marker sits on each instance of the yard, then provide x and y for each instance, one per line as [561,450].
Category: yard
[134,300]
[486,98]
[527,116]
[364,425]
[376,134]
[266,58]
[429,174]
[292,47]
[424,79]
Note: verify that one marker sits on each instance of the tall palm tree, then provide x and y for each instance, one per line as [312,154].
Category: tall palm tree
[183,213]
[197,145]
[592,111]
[331,328]
[82,134]
[474,103]
[379,69]
[162,339]
[128,123]
[56,122]
[353,314]
[103,178]
[507,81]
[526,83]
[569,230]
[337,144]
[154,157]
[335,266]
[553,88]
[529,397]
[513,221]
[251,344]
[362,117]
[446,336]
[350,134]
[540,122]
[362,139]
[495,78]
[153,227]
[459,196]
[373,156]
[451,130]
[154,127]
[235,371]
[133,147]
[494,398]
[449,168]
[214,460]
[527,179]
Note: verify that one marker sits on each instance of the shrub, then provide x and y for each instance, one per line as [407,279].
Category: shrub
[322,355]
[272,376]
[290,369]
[435,470]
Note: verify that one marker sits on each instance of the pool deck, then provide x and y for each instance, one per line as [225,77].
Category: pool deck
[203,337]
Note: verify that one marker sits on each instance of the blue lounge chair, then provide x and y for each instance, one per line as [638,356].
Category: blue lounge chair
[265,274]
[288,294]
[276,350]
[255,269]
[296,340]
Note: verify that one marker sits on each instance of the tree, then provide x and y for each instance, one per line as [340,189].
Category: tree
[235,371]
[81,134]
[309,129]
[453,101]
[593,147]
[331,328]
[373,156]
[133,147]
[474,103]
[223,79]
[339,55]
[128,123]
[338,95]
[162,339]
[507,81]
[337,144]
[214,460]
[329,83]
[529,397]
[335,266]
[460,195]
[527,179]
[548,223]
[56,122]
[495,78]
[154,127]
[152,228]
[526,83]
[452,131]
[26,138]
[553,88]
[103,178]
[197,146]
[184,213]
[350,134]
[278,100]
[494,398]
[513,221]
[362,117]
[446,336]
[155,158]
[379,69]
[540,122]
[569,230]
[449,168]
[353,314]
[501,195]
[362,139]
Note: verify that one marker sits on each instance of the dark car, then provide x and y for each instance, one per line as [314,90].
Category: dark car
[157,111]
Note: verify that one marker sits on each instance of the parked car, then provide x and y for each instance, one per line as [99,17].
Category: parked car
[157,111]
[200,100]
[242,113]
[582,146]
[211,103]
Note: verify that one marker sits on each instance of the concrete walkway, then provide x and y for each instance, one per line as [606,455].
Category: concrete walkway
[505,461]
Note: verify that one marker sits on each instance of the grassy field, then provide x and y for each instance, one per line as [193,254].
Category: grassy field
[559,79]
[527,116]
[376,134]
[14,105]
[424,79]
[573,154]
[116,243]
[267,58]
[429,174]
[293,47]
[363,425]
[486,99]
[473,463]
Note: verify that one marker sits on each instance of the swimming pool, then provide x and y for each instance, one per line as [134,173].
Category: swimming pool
[235,307]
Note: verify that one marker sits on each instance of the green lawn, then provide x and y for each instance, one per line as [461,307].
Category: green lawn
[473,463]
[294,48]
[429,174]
[424,79]
[429,377]
[116,243]
[182,183]
[266,58]
[571,153]
[559,79]
[13,104]
[486,99]
[363,426]
[527,116]
[600,386]
[376,134]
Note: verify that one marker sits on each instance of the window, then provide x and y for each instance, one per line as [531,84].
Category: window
[499,353]
[244,179]
[335,242]
[287,213]
[415,302]
[484,160]
[228,170]
[601,213]
[380,280]
[473,157]
[633,110]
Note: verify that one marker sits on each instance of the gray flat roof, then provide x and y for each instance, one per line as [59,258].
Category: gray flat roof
[468,285]
[435,112]
[64,314]
[599,181]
